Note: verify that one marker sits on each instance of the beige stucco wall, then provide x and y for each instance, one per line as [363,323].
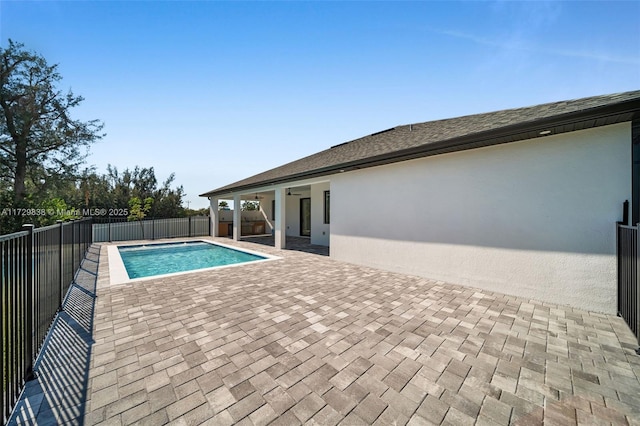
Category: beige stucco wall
[534,218]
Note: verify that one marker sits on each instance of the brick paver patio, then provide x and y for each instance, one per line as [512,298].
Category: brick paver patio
[309,340]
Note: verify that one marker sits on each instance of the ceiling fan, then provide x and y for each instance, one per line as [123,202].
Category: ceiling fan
[258,197]
[289,192]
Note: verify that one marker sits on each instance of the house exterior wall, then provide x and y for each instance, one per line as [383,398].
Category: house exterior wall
[534,218]
[293,212]
[319,229]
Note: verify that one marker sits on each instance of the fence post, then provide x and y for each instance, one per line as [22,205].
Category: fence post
[28,321]
[73,245]
[79,244]
[3,312]
[90,234]
[189,226]
[635,304]
[153,228]
[625,213]
[2,330]
[61,252]
[109,228]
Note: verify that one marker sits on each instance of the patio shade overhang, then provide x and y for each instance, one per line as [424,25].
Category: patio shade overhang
[413,141]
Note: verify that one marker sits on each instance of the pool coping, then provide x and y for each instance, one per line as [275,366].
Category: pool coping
[118,273]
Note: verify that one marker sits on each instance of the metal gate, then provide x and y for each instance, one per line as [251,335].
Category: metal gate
[628,285]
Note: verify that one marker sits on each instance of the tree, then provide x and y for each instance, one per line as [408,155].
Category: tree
[101,194]
[56,209]
[139,210]
[93,191]
[142,183]
[250,205]
[198,212]
[223,205]
[169,200]
[39,140]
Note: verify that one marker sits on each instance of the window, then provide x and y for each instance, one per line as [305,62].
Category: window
[326,207]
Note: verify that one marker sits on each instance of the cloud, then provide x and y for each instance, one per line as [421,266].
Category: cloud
[516,43]
[521,27]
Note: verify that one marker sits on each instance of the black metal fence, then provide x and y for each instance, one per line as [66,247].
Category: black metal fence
[118,229]
[628,284]
[38,266]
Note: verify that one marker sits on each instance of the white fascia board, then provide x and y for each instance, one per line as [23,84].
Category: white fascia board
[273,187]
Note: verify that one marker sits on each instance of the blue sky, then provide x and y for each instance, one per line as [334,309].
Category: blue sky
[219,91]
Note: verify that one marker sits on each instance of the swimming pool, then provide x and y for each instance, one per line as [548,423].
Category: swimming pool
[152,260]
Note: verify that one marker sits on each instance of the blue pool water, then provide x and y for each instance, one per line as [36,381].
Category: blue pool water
[158,259]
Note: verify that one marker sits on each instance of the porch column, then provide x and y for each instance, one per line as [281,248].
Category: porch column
[280,233]
[237,217]
[214,216]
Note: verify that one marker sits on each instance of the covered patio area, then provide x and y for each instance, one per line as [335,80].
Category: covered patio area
[292,209]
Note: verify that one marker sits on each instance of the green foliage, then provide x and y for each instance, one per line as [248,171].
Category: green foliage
[223,205]
[142,183]
[250,205]
[40,144]
[138,209]
[90,194]
[54,210]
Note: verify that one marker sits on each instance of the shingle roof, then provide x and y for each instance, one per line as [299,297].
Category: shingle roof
[448,135]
